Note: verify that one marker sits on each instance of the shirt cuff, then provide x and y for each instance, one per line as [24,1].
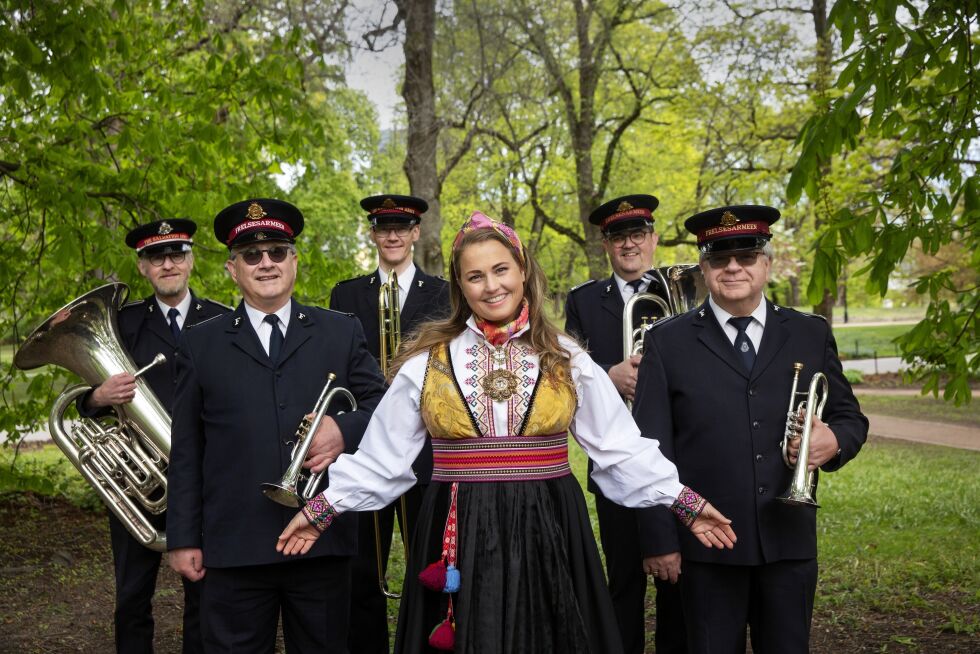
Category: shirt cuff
[688,506]
[319,512]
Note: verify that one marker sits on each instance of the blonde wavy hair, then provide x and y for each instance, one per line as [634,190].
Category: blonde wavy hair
[542,335]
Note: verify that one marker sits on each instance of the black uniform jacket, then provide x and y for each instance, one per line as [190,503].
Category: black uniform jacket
[428,299]
[594,316]
[146,333]
[723,427]
[235,418]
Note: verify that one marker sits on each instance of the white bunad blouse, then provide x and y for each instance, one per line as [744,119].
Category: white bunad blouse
[629,469]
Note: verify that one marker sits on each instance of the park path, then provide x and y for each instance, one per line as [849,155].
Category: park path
[964,437]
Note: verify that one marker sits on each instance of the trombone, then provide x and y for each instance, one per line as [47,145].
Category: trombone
[390,333]
[800,417]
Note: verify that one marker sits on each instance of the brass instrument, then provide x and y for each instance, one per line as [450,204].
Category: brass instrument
[800,418]
[389,322]
[286,491]
[124,457]
[390,332]
[633,334]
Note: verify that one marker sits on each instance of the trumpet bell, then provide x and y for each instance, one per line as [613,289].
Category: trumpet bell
[285,494]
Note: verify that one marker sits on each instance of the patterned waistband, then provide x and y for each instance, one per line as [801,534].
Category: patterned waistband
[500,459]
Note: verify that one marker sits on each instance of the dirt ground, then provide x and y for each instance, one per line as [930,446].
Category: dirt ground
[56,594]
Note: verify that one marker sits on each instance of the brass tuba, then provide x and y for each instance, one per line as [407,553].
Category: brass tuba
[124,457]
[799,419]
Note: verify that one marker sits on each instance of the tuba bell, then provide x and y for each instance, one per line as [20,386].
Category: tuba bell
[124,457]
[799,419]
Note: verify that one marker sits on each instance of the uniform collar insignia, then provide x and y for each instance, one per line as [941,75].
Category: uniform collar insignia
[199,307]
[775,307]
[371,281]
[301,315]
[150,305]
[238,321]
[165,228]
[609,286]
[422,282]
[701,312]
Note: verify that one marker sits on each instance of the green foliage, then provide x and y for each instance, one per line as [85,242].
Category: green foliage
[863,342]
[854,377]
[113,114]
[45,471]
[908,91]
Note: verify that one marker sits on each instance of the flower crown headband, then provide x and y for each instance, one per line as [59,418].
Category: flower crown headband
[479,220]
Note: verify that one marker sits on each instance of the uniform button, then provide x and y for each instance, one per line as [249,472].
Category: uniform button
[762,490]
[282,406]
[278,374]
[755,424]
[751,392]
[759,457]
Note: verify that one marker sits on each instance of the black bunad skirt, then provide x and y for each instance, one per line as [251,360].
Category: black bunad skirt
[531,577]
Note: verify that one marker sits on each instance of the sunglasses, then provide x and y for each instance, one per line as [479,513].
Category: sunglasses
[156,260]
[743,259]
[253,256]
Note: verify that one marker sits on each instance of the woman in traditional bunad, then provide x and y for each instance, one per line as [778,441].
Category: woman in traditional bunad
[503,558]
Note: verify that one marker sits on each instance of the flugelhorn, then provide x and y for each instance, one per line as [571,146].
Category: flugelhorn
[123,458]
[286,491]
[799,418]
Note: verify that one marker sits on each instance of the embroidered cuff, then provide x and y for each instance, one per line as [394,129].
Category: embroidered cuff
[319,512]
[688,505]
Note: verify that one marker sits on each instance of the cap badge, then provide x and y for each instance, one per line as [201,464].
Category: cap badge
[165,228]
[388,203]
[624,206]
[260,236]
[728,219]
[255,211]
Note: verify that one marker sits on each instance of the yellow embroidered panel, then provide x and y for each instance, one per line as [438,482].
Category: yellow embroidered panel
[447,416]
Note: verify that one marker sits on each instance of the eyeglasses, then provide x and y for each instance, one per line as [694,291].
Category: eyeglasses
[253,256]
[743,259]
[635,237]
[384,231]
[156,260]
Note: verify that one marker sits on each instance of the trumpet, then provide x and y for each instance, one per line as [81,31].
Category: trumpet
[124,458]
[286,492]
[799,418]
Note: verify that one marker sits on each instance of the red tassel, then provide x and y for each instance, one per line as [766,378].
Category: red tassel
[443,637]
[434,576]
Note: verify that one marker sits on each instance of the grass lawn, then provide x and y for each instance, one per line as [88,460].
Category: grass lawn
[922,408]
[863,341]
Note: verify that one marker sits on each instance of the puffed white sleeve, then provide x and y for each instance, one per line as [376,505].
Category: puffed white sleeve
[380,471]
[628,468]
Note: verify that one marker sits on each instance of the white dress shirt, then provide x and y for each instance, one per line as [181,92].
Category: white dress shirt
[627,291]
[628,468]
[264,329]
[404,282]
[183,308]
[754,329]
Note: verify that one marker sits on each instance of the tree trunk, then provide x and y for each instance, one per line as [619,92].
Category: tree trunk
[423,128]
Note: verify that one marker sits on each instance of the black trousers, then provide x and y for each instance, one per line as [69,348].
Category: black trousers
[368,606]
[136,569]
[628,583]
[240,606]
[775,600]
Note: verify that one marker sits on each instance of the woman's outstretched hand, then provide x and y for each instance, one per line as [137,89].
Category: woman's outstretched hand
[299,536]
[711,528]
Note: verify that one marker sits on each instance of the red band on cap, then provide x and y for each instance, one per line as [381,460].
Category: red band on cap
[253,225]
[747,228]
[157,239]
[636,212]
[414,212]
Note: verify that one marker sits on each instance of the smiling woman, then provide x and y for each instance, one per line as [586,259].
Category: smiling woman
[502,555]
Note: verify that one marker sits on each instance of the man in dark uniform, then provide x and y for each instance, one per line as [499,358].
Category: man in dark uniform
[594,314]
[245,381]
[394,230]
[150,327]
[714,387]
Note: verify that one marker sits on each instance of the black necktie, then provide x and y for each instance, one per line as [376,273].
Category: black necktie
[743,345]
[174,327]
[635,285]
[276,339]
